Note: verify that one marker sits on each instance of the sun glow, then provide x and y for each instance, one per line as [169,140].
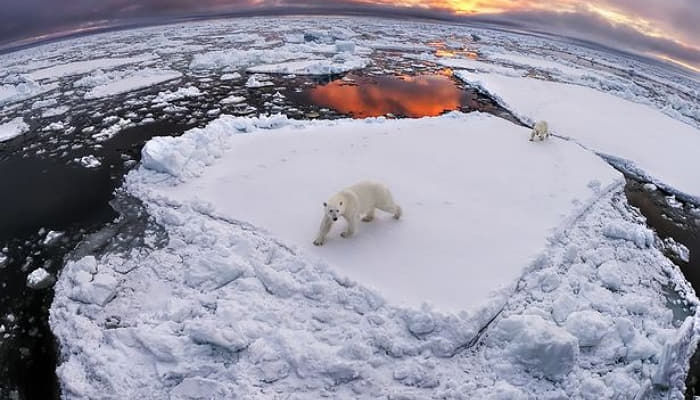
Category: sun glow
[677,62]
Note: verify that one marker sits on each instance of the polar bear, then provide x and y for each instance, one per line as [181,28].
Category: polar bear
[540,131]
[358,200]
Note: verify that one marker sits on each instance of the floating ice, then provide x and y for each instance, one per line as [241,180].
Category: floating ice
[40,279]
[12,129]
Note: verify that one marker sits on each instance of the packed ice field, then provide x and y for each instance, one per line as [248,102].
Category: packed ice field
[518,270]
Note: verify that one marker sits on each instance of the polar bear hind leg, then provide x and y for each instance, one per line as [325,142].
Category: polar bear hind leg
[391,208]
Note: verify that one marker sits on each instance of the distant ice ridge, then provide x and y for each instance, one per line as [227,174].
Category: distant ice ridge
[225,309]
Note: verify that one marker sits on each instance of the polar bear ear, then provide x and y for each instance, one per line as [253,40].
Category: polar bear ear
[341,203]
[325,205]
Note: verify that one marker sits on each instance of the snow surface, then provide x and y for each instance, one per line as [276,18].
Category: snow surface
[12,129]
[446,232]
[135,80]
[527,61]
[634,136]
[51,237]
[224,310]
[336,65]
[89,161]
[258,81]
[179,94]
[234,58]
[230,77]
[112,130]
[39,279]
[82,67]
[20,87]
[55,111]
[233,99]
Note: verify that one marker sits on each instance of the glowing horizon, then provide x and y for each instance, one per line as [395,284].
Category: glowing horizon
[609,13]
[664,29]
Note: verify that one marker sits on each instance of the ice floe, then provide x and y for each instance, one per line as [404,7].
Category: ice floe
[12,129]
[626,133]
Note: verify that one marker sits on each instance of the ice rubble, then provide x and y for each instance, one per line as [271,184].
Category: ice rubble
[258,81]
[179,94]
[428,241]
[606,124]
[89,161]
[12,129]
[110,131]
[226,310]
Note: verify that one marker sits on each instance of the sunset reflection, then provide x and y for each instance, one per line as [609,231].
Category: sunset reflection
[410,96]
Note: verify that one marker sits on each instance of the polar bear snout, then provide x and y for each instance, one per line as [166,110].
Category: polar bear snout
[333,213]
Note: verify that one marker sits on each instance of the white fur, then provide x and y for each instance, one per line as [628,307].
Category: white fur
[540,131]
[358,200]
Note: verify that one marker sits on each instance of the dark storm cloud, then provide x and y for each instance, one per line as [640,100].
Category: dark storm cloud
[677,20]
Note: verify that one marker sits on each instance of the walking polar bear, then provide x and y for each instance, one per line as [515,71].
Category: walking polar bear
[540,131]
[358,200]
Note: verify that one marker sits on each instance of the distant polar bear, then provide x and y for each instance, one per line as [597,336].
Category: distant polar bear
[540,131]
[359,200]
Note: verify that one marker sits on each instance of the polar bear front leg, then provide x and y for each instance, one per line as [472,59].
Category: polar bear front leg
[532,135]
[369,216]
[351,227]
[323,230]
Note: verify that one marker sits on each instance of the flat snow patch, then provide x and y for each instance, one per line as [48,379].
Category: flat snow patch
[638,137]
[21,88]
[181,93]
[133,81]
[82,67]
[242,58]
[448,248]
[528,62]
[12,129]
[55,111]
[336,65]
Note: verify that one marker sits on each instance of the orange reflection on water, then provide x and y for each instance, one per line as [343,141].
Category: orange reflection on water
[454,53]
[410,96]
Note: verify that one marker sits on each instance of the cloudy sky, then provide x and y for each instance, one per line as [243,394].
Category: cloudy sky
[668,29]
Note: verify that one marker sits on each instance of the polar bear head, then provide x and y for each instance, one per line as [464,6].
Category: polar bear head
[334,208]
